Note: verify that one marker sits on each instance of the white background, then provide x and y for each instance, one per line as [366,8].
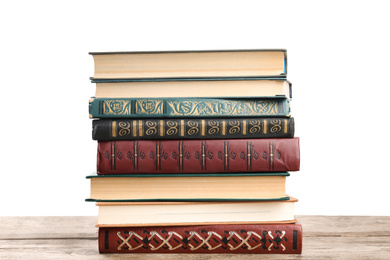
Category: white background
[338,63]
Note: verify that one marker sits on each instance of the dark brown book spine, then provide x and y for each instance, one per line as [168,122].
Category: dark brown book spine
[218,239]
[198,156]
[205,128]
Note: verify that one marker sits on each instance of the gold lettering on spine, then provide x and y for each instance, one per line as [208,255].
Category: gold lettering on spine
[203,128]
[182,127]
[265,126]
[140,132]
[161,127]
[113,129]
[244,127]
[134,128]
[223,127]
[285,126]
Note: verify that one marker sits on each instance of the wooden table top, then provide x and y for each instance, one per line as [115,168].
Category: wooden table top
[324,237]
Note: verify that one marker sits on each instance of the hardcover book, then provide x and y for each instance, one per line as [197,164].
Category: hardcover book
[194,128]
[193,88]
[190,64]
[198,156]
[214,239]
[114,214]
[188,107]
[199,187]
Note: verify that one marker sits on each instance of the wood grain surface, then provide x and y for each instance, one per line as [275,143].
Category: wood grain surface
[325,237]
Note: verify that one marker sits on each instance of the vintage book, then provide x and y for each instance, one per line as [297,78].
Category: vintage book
[190,64]
[198,156]
[194,128]
[113,214]
[188,107]
[194,88]
[189,187]
[212,239]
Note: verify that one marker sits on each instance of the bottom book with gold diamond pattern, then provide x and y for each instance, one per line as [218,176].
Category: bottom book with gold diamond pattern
[218,239]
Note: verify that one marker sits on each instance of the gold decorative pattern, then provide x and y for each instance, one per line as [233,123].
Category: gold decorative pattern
[249,151]
[276,125]
[172,127]
[244,241]
[113,147]
[235,126]
[152,128]
[285,126]
[135,148]
[140,126]
[203,127]
[255,126]
[116,107]
[182,126]
[125,241]
[124,128]
[193,127]
[222,107]
[135,128]
[149,107]
[113,129]
[214,127]
[203,240]
[158,155]
[161,127]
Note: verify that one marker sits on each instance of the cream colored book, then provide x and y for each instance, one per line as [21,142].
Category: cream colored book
[194,213]
[188,187]
[197,88]
[190,64]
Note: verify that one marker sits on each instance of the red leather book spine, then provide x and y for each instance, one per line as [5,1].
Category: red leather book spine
[218,239]
[198,156]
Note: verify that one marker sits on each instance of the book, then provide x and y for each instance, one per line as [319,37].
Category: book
[194,128]
[194,88]
[189,187]
[198,156]
[113,214]
[187,107]
[212,239]
[190,64]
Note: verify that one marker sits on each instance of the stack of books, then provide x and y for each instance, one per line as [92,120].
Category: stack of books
[194,149]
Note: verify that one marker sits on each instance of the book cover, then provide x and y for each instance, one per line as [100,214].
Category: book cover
[141,214]
[188,107]
[194,88]
[188,187]
[195,128]
[190,64]
[214,239]
[198,156]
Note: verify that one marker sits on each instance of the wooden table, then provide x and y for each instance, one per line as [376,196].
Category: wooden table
[325,237]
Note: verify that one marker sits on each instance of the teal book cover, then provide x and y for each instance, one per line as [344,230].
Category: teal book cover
[188,107]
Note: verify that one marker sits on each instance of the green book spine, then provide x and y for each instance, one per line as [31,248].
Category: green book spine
[188,107]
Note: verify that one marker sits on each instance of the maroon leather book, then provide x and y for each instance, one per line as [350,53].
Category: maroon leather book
[198,156]
[218,239]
